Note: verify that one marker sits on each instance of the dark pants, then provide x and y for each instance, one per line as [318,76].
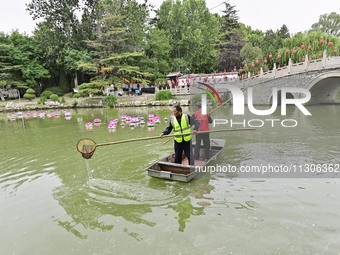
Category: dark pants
[206,143]
[185,147]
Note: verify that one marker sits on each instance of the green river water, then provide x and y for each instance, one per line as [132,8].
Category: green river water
[52,201]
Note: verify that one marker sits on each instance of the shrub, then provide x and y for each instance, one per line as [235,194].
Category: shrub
[42,100]
[75,103]
[76,95]
[30,91]
[54,97]
[29,96]
[88,91]
[62,100]
[163,95]
[56,90]
[47,93]
[110,101]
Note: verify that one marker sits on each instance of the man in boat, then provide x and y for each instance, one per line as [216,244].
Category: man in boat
[204,120]
[181,124]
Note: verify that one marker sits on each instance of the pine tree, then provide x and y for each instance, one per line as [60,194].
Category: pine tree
[232,42]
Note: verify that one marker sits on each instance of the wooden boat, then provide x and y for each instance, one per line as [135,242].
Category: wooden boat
[166,169]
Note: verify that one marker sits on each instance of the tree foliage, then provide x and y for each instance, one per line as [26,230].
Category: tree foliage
[193,33]
[19,62]
[94,43]
[232,41]
[328,23]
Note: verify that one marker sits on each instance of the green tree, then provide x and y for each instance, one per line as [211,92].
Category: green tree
[193,34]
[314,44]
[117,47]
[232,41]
[158,53]
[250,54]
[10,75]
[73,62]
[63,25]
[19,63]
[255,37]
[328,23]
[272,42]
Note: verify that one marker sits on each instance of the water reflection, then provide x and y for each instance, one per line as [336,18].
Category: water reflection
[98,203]
[185,208]
[89,205]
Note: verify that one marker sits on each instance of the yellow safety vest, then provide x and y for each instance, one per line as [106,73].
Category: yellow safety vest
[184,128]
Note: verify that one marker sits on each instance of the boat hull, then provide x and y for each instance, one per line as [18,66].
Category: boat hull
[166,169]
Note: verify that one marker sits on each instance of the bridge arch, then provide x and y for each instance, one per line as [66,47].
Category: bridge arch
[324,87]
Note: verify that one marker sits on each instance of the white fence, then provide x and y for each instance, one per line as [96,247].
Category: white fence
[307,65]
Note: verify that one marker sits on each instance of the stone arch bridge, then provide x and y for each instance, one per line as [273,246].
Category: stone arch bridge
[321,77]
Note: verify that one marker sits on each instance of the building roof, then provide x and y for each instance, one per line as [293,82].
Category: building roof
[174,74]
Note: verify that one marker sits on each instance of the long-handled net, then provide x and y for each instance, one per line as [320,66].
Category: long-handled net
[87,146]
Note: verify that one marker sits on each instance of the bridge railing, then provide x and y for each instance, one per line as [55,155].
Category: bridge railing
[179,90]
[307,65]
[218,80]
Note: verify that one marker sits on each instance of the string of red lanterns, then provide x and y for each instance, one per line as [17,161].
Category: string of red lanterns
[294,51]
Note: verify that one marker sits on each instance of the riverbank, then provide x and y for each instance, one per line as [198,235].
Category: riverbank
[147,100]
[89,102]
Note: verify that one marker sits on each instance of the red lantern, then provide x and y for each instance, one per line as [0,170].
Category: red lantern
[334,51]
[258,72]
[310,59]
[287,51]
[294,51]
[256,61]
[240,70]
[279,56]
[252,65]
[265,61]
[235,70]
[322,41]
[330,44]
[270,56]
[309,47]
[245,65]
[302,46]
[303,59]
[319,55]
